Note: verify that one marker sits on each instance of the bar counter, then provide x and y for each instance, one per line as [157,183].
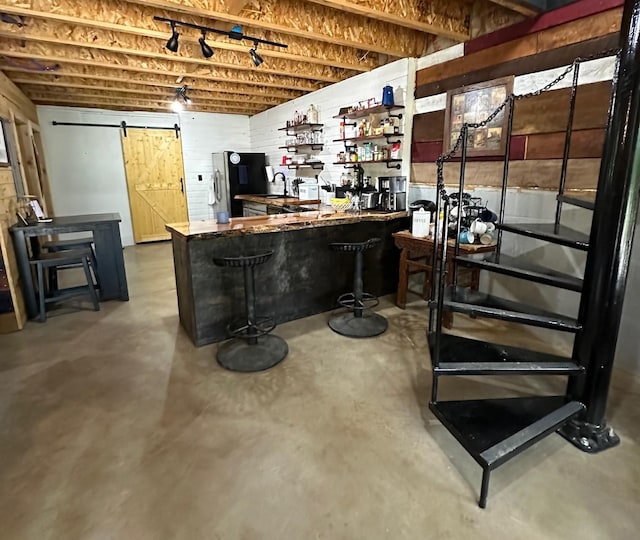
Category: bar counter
[302,278]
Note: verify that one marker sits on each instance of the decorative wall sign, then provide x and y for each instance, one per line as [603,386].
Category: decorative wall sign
[473,104]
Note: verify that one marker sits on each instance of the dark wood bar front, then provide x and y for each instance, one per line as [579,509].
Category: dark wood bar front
[304,276]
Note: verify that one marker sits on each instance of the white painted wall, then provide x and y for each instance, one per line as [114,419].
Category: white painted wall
[266,138]
[86,165]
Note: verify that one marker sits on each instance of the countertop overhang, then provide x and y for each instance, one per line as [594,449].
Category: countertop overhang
[197,230]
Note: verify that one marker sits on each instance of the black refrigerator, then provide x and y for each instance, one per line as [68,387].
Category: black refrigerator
[239,173]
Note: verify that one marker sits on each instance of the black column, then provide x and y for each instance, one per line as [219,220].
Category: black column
[610,246]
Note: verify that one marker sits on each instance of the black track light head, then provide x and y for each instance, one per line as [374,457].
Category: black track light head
[172,44]
[257,59]
[207,51]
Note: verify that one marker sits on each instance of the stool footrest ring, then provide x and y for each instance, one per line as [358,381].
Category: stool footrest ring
[243,329]
[348,300]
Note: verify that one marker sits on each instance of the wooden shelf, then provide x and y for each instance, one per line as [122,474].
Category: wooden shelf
[294,147]
[311,165]
[302,127]
[352,164]
[369,138]
[379,109]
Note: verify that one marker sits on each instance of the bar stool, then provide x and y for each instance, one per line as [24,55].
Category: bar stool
[359,322]
[56,261]
[254,349]
[55,246]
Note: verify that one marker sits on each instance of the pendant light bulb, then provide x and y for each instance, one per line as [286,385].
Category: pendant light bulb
[257,59]
[207,51]
[176,106]
[172,44]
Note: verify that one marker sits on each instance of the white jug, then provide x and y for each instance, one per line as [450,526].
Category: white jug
[420,224]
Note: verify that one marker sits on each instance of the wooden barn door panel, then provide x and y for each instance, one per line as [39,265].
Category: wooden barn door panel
[155,181]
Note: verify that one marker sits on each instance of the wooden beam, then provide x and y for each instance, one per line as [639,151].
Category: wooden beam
[140,24]
[16,99]
[524,8]
[131,105]
[189,54]
[98,76]
[40,94]
[302,19]
[61,53]
[448,19]
[29,85]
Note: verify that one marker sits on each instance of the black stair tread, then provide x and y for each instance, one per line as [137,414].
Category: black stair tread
[495,430]
[520,268]
[464,356]
[546,231]
[486,305]
[577,201]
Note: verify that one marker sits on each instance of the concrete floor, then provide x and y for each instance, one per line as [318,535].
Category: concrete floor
[113,426]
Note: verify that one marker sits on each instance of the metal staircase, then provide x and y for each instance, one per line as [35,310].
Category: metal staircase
[493,431]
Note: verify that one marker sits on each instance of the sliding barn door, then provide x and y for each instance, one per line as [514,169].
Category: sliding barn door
[155,181]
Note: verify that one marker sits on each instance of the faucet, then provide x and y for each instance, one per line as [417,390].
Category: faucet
[284,181]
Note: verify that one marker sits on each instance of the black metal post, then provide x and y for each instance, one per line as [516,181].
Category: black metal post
[358,286]
[610,247]
[250,304]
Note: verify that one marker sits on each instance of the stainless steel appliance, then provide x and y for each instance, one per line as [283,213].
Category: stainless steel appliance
[236,173]
[370,200]
[393,192]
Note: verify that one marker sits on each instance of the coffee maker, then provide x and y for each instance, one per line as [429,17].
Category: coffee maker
[393,193]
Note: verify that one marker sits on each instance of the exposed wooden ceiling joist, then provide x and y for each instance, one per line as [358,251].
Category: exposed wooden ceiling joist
[85,75]
[439,17]
[158,92]
[524,8]
[140,24]
[116,97]
[304,19]
[119,106]
[89,57]
[189,53]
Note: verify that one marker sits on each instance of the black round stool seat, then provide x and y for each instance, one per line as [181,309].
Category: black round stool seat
[243,262]
[359,321]
[252,347]
[355,246]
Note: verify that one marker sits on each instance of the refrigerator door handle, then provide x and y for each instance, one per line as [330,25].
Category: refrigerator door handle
[216,185]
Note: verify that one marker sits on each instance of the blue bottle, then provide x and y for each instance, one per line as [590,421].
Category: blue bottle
[387,96]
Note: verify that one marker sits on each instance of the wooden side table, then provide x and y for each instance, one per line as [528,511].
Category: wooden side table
[417,257]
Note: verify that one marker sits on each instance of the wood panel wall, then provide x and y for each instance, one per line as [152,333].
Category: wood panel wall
[21,112]
[539,122]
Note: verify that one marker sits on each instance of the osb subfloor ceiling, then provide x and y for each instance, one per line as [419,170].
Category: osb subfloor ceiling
[111,54]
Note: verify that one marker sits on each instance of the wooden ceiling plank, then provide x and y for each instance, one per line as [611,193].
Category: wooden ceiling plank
[66,35]
[60,53]
[140,23]
[31,85]
[115,75]
[303,19]
[439,17]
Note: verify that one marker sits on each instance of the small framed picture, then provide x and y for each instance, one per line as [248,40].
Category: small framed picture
[473,104]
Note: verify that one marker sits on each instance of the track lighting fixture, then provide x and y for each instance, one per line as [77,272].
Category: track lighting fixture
[207,51]
[172,44]
[257,59]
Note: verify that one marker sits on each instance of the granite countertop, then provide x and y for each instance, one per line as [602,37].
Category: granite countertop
[274,223]
[280,201]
